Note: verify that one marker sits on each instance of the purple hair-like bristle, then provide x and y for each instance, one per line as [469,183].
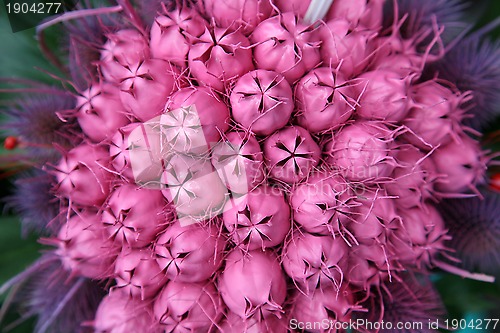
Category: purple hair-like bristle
[474,65]
[34,120]
[474,225]
[61,302]
[85,37]
[412,299]
[34,202]
[423,13]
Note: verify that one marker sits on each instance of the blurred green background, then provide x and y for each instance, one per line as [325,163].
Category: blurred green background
[21,58]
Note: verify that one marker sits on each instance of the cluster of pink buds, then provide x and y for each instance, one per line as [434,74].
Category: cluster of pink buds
[247,164]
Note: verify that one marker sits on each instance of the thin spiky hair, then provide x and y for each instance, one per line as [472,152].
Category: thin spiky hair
[474,225]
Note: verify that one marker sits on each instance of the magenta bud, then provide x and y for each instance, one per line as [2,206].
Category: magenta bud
[146,87]
[137,273]
[100,111]
[315,261]
[258,219]
[242,15]
[119,313]
[188,307]
[252,282]
[189,253]
[171,34]
[285,45]
[134,216]
[239,162]
[82,176]
[319,202]
[291,154]
[324,100]
[211,111]
[360,151]
[262,101]
[383,96]
[219,56]
[85,248]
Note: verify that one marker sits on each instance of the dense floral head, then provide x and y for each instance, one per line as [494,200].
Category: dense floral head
[232,165]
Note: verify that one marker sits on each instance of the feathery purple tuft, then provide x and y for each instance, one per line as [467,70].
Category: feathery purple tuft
[62,303]
[34,202]
[474,225]
[422,13]
[474,64]
[35,122]
[410,300]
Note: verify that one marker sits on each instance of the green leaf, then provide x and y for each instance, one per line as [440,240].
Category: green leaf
[16,253]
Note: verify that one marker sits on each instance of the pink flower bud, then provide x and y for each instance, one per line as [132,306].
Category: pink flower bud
[414,178]
[286,46]
[315,261]
[118,313]
[100,112]
[269,324]
[291,154]
[171,35]
[258,219]
[137,153]
[262,101]
[85,248]
[239,162]
[137,273]
[462,164]
[297,7]
[435,116]
[134,216]
[238,14]
[424,232]
[383,96]
[363,13]
[324,305]
[213,114]
[219,56]
[124,48]
[347,51]
[188,307]
[146,87]
[360,151]
[193,186]
[252,283]
[323,100]
[82,176]
[372,216]
[189,253]
[318,202]
[367,265]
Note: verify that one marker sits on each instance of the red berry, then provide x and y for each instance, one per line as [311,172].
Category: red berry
[10,143]
[495,182]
